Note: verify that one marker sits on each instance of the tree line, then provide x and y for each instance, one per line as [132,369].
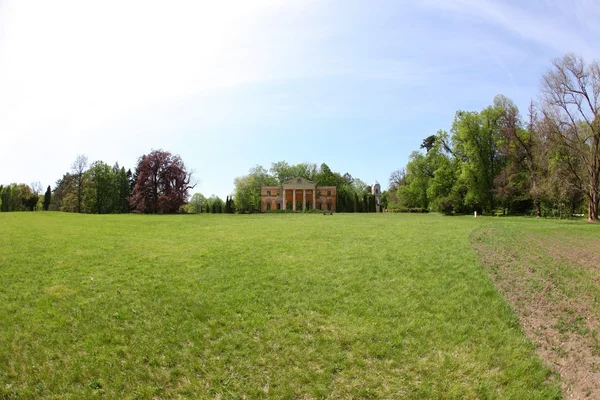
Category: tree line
[498,161]
[160,183]
[22,197]
[353,195]
[214,204]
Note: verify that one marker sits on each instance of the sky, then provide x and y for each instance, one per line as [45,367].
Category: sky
[229,85]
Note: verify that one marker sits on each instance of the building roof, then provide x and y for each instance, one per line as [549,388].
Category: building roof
[298,180]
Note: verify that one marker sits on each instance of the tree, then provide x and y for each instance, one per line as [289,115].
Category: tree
[428,143]
[397,178]
[216,204]
[571,92]
[476,141]
[78,168]
[64,197]
[227,206]
[36,187]
[6,197]
[47,198]
[325,177]
[527,150]
[100,193]
[162,184]
[196,203]
[385,196]
[29,198]
[132,178]
[17,197]
[282,171]
[122,189]
[442,191]
[418,173]
[247,188]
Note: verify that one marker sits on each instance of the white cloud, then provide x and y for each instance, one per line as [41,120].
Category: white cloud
[543,26]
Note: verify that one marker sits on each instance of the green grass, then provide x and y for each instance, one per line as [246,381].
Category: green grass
[260,306]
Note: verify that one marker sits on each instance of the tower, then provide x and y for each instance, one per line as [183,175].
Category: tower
[376,191]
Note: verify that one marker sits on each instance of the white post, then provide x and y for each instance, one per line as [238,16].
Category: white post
[303,199]
[294,200]
[475,214]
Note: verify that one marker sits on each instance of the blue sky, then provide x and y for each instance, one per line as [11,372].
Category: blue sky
[357,85]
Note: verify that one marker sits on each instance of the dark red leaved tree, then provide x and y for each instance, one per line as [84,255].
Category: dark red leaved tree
[162,184]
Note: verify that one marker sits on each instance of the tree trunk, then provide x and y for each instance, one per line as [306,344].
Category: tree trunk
[79,192]
[593,191]
[593,207]
[595,178]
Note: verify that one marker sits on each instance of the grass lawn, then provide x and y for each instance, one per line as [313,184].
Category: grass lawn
[259,306]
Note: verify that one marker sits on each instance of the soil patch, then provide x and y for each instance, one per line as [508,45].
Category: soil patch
[552,283]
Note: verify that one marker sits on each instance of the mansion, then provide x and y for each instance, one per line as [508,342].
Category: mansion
[297,194]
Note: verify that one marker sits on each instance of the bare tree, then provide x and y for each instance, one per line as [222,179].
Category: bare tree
[397,178]
[571,92]
[537,149]
[526,150]
[79,166]
[36,187]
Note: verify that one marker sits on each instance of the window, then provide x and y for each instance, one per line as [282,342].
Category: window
[279,206]
[328,207]
[278,193]
[268,207]
[319,206]
[329,193]
[318,192]
[268,192]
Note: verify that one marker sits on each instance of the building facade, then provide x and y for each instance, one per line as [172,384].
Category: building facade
[376,191]
[298,194]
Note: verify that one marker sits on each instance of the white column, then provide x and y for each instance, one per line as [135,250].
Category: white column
[303,199]
[315,198]
[294,200]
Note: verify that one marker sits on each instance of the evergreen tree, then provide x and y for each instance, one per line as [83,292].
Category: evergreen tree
[132,178]
[47,198]
[123,190]
[3,199]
